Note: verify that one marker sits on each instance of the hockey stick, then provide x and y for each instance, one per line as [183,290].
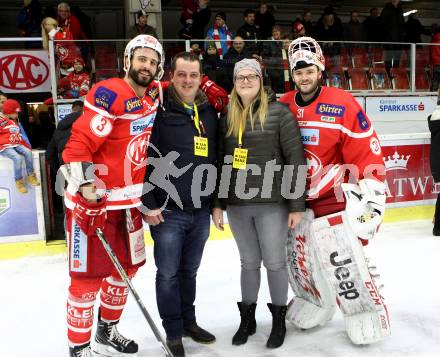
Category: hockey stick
[127,280]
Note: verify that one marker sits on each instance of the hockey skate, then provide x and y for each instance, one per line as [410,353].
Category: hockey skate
[81,351]
[109,342]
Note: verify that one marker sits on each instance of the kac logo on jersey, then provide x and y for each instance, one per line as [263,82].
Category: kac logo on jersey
[78,250]
[362,120]
[133,104]
[310,136]
[104,98]
[138,126]
[330,109]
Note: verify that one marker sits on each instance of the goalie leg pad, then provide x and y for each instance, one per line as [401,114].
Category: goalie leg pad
[314,301]
[342,260]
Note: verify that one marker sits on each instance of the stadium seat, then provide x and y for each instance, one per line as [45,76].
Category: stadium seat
[377,57]
[336,78]
[422,80]
[404,59]
[400,79]
[358,79]
[379,79]
[105,56]
[422,57]
[339,60]
[359,57]
[102,74]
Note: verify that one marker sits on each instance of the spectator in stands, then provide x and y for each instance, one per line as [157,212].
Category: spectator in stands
[68,22]
[15,147]
[393,31]
[249,31]
[141,27]
[77,83]
[414,30]
[195,48]
[211,61]
[3,99]
[273,58]
[373,26]
[220,34]
[264,20]
[234,55]
[306,20]
[435,59]
[29,19]
[84,20]
[329,26]
[298,29]
[201,19]
[61,135]
[354,30]
[434,128]
[65,49]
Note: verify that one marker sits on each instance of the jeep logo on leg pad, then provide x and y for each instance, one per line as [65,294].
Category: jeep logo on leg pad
[346,286]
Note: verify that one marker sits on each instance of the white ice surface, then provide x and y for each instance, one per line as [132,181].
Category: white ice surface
[33,300]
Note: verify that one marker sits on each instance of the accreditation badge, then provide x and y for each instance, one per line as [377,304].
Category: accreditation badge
[240,158]
[200,146]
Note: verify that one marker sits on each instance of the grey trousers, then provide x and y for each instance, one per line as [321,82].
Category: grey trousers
[260,232]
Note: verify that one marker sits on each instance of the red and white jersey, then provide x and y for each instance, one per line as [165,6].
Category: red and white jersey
[75,85]
[65,49]
[114,131]
[338,137]
[10,134]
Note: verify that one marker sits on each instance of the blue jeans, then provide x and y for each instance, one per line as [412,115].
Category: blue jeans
[17,155]
[178,248]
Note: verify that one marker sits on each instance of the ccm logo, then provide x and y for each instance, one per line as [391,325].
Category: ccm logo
[346,286]
[22,72]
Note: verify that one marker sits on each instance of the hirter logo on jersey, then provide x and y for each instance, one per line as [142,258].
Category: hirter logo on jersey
[133,104]
[104,98]
[330,109]
[310,136]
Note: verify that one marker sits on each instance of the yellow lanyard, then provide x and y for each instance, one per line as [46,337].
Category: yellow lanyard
[196,116]
[240,134]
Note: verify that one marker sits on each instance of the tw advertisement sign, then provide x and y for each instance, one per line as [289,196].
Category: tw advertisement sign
[408,173]
[24,71]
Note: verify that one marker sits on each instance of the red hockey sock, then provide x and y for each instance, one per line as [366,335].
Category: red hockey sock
[80,302]
[114,294]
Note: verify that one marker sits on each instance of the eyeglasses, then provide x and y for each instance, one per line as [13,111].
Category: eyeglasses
[249,77]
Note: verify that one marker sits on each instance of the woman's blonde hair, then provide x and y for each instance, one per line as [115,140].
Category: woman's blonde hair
[44,35]
[237,113]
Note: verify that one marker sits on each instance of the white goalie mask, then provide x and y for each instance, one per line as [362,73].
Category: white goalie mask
[306,49]
[144,41]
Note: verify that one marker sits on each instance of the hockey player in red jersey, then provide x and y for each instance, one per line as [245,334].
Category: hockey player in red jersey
[346,199]
[104,168]
[77,83]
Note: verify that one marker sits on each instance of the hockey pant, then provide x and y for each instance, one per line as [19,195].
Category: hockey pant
[95,273]
[326,264]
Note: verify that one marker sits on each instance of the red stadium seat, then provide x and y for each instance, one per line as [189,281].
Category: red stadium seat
[336,78]
[377,57]
[379,79]
[359,57]
[422,80]
[404,59]
[102,74]
[105,56]
[358,79]
[400,79]
[422,57]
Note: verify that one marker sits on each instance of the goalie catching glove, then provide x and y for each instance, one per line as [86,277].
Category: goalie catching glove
[217,96]
[89,216]
[365,206]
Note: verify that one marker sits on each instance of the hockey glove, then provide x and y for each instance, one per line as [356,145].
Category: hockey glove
[217,96]
[89,216]
[365,206]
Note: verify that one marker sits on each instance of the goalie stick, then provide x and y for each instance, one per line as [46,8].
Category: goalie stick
[127,280]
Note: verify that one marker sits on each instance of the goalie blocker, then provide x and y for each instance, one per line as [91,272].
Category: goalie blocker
[326,265]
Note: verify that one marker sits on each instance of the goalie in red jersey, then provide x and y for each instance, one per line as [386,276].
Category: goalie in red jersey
[346,200]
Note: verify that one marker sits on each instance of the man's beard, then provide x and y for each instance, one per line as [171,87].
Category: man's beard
[310,91]
[134,75]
